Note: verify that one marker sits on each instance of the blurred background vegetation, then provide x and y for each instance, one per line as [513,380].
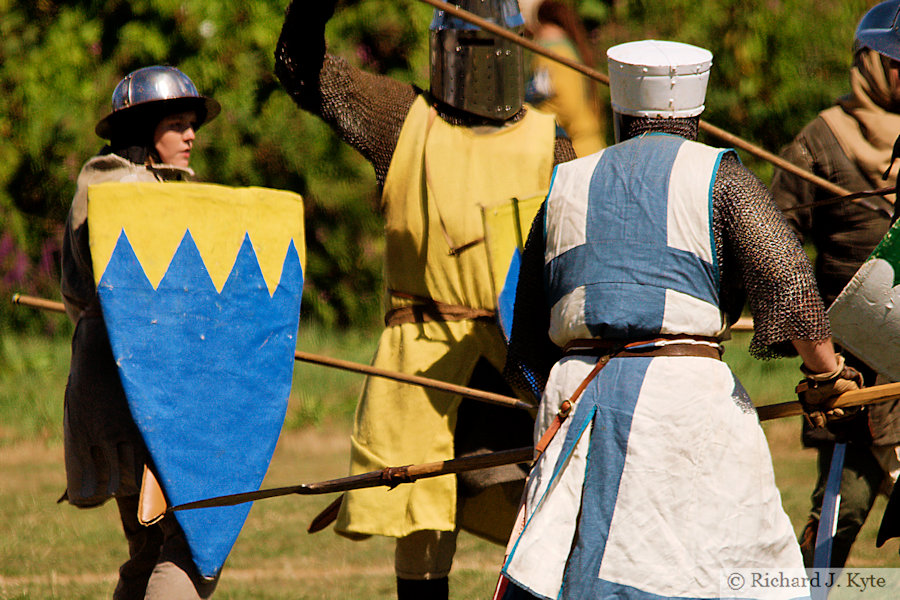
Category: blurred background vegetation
[777,63]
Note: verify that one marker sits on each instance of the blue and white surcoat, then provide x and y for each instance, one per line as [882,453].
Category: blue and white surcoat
[660,482]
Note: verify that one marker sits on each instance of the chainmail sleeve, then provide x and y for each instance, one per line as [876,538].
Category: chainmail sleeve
[759,255]
[531,354]
[563,151]
[367,111]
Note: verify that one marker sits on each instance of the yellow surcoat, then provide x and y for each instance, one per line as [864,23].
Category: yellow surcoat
[439,178]
[577,110]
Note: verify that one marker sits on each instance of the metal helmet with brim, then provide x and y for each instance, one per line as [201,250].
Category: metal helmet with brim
[149,91]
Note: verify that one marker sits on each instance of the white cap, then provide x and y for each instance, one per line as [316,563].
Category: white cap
[654,78]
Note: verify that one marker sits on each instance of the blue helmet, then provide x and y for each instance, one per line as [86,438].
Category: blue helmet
[879,30]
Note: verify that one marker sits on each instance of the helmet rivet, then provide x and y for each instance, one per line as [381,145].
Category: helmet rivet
[491,71]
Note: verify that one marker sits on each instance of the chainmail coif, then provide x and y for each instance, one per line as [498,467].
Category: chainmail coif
[759,260]
[635,126]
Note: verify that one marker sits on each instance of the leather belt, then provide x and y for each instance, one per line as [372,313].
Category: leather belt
[701,346]
[427,309]
[671,345]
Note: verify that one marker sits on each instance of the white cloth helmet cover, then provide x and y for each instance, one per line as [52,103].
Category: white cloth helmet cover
[654,78]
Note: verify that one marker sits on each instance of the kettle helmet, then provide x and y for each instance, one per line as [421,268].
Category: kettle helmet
[150,89]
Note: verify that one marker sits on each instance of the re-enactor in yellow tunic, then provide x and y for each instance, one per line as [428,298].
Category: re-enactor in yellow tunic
[440,177]
[437,165]
[566,93]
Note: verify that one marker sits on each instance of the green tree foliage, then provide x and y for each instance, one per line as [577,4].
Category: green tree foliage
[59,62]
[777,63]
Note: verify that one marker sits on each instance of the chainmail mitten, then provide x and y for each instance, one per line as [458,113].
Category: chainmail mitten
[365,110]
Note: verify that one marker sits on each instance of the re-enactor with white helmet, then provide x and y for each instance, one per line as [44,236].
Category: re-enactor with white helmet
[156,112]
[439,156]
[654,478]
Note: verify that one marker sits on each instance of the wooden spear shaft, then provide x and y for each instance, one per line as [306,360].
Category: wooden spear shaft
[869,395]
[42,303]
[414,380]
[345,365]
[393,476]
[718,132]
[875,394]
[390,477]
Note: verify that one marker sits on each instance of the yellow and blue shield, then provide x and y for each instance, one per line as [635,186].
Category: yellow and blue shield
[506,227]
[200,289]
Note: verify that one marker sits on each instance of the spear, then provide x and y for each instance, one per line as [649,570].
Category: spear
[389,476]
[868,395]
[346,365]
[394,476]
[718,132]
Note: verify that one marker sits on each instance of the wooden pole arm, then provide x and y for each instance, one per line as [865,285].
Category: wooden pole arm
[869,395]
[345,365]
[718,132]
[426,382]
[42,303]
[389,476]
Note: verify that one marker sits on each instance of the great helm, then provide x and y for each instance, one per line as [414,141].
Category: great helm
[473,70]
[654,78]
[879,30]
[145,91]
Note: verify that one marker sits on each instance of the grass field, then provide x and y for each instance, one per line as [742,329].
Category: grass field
[57,551]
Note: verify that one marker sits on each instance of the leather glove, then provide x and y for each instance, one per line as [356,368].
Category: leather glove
[817,390]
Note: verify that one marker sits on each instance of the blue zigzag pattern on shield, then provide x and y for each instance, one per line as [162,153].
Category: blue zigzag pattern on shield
[207,376]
